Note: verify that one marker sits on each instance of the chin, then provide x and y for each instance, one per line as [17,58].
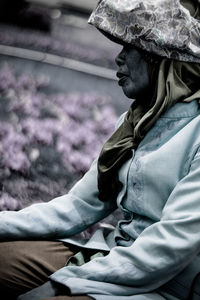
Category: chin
[129,90]
[128,94]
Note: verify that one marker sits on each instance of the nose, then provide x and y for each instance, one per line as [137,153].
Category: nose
[120,59]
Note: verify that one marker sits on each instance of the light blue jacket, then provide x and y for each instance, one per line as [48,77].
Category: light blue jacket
[159,235]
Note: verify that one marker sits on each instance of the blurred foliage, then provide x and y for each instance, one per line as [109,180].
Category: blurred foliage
[46,141]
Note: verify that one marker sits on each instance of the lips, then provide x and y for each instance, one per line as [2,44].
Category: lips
[120,74]
[122,77]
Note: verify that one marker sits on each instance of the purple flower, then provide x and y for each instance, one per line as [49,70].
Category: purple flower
[69,127]
[7,79]
[79,162]
[39,130]
[12,149]
[25,82]
[9,203]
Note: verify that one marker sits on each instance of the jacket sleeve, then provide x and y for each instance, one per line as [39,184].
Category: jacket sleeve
[61,217]
[159,253]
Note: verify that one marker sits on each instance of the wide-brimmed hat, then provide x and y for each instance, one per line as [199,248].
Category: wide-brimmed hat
[163,27]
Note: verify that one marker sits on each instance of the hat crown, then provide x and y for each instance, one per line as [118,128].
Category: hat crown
[164,27]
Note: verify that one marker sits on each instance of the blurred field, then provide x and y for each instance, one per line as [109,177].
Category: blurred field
[53,119]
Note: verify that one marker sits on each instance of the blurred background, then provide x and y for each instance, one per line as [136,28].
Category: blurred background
[59,97]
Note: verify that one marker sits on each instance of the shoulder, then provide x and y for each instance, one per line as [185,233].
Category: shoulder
[120,120]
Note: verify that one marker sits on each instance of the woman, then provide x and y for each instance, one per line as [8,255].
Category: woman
[149,168]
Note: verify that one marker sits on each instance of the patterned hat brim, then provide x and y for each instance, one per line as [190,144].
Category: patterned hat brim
[163,27]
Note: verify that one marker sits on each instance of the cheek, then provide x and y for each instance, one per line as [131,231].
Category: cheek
[129,88]
[140,78]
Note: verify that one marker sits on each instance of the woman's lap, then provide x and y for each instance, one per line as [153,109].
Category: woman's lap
[69,298]
[25,265]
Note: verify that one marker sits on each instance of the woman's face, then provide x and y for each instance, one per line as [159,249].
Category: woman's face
[132,73]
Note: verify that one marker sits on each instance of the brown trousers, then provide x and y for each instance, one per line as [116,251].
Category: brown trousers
[25,265]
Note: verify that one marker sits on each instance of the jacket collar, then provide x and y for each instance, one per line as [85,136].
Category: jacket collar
[183,110]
